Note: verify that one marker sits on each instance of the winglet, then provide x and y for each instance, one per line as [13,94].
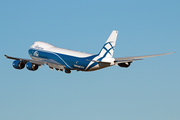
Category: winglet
[11,57]
[7,56]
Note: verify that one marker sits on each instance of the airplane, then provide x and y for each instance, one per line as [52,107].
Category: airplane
[64,59]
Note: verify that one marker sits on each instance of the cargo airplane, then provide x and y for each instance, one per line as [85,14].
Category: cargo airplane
[64,59]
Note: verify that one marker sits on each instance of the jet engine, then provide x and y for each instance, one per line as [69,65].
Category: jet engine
[18,64]
[31,66]
[125,65]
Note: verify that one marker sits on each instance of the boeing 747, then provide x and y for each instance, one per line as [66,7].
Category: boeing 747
[64,59]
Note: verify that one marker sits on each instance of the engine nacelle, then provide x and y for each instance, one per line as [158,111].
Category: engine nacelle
[31,66]
[125,65]
[18,64]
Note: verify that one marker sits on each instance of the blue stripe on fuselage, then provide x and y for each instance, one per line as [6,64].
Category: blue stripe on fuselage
[70,62]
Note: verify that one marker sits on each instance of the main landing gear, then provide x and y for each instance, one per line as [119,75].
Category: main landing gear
[66,70]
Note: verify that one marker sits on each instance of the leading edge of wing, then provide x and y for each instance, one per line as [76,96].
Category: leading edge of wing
[49,62]
[134,58]
[26,60]
[15,58]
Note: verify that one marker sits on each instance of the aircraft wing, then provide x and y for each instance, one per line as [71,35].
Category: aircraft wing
[130,59]
[49,62]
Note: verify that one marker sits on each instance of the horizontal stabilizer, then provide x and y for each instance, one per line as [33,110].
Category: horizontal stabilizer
[98,61]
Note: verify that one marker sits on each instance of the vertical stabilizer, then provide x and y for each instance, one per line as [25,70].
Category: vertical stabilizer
[108,48]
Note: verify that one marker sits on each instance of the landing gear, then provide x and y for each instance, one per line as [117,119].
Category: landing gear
[57,69]
[51,68]
[67,71]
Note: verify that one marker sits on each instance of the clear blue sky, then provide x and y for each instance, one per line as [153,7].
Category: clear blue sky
[147,90]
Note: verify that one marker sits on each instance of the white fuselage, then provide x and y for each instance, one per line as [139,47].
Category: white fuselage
[71,59]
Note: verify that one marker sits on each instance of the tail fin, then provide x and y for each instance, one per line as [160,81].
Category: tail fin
[108,48]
